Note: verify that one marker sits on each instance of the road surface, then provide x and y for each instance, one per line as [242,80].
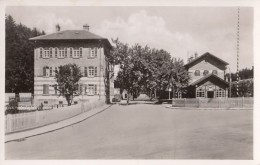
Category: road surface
[146,131]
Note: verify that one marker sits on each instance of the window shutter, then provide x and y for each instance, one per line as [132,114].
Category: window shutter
[47,89]
[95,71]
[96,52]
[95,89]
[86,71]
[86,89]
[88,52]
[44,71]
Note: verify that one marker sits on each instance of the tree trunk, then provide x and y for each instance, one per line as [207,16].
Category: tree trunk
[107,84]
[68,99]
[127,97]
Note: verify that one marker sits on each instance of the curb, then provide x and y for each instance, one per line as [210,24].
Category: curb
[194,108]
[22,135]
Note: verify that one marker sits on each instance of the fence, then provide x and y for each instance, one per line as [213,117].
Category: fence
[239,102]
[23,121]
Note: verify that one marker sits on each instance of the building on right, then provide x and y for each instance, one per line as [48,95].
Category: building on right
[206,77]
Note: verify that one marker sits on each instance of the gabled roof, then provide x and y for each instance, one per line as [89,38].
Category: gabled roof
[210,76]
[207,54]
[69,35]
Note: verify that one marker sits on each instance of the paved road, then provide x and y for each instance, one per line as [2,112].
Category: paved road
[145,131]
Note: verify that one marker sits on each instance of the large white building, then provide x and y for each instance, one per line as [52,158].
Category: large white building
[81,47]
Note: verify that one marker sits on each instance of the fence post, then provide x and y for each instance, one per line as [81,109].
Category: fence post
[8,123]
[218,102]
[184,102]
[243,101]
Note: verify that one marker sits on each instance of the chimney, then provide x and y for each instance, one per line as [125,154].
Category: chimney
[196,55]
[57,28]
[86,27]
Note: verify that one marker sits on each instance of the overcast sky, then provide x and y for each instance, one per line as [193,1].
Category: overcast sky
[178,30]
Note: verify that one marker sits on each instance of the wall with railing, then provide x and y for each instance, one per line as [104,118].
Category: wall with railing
[238,102]
[47,115]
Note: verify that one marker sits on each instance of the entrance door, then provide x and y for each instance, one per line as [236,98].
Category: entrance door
[210,94]
[91,89]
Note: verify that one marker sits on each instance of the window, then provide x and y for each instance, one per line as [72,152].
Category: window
[206,72]
[46,71]
[61,52]
[56,52]
[200,93]
[76,52]
[50,52]
[91,89]
[220,93]
[91,71]
[93,52]
[71,52]
[45,102]
[45,88]
[46,53]
[86,71]
[197,73]
[215,72]
[40,52]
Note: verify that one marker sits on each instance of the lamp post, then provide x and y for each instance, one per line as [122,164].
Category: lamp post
[229,82]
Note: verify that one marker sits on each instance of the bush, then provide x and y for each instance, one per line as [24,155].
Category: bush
[12,107]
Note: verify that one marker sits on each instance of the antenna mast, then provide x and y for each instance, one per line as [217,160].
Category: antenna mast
[237,52]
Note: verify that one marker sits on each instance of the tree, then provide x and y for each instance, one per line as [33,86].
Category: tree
[67,78]
[178,76]
[19,53]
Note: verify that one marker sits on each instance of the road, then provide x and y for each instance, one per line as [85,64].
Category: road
[146,131]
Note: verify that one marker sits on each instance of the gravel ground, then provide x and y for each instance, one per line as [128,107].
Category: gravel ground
[146,131]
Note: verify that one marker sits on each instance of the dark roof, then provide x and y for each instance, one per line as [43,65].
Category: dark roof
[203,56]
[69,35]
[207,77]
[72,35]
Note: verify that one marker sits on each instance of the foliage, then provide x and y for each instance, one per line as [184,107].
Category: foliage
[19,53]
[67,78]
[243,74]
[147,70]
[245,88]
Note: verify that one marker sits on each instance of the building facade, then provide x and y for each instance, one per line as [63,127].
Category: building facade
[207,77]
[80,47]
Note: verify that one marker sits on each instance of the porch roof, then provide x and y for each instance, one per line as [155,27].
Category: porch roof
[212,78]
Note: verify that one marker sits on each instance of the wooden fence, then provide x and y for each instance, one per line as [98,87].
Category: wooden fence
[24,121]
[238,102]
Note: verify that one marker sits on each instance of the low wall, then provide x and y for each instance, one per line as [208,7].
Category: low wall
[239,102]
[24,121]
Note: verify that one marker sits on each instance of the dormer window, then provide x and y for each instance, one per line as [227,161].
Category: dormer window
[215,72]
[197,73]
[206,72]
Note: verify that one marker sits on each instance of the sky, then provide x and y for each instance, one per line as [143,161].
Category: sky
[181,31]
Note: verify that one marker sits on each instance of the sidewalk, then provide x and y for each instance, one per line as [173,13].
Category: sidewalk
[55,126]
[194,108]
